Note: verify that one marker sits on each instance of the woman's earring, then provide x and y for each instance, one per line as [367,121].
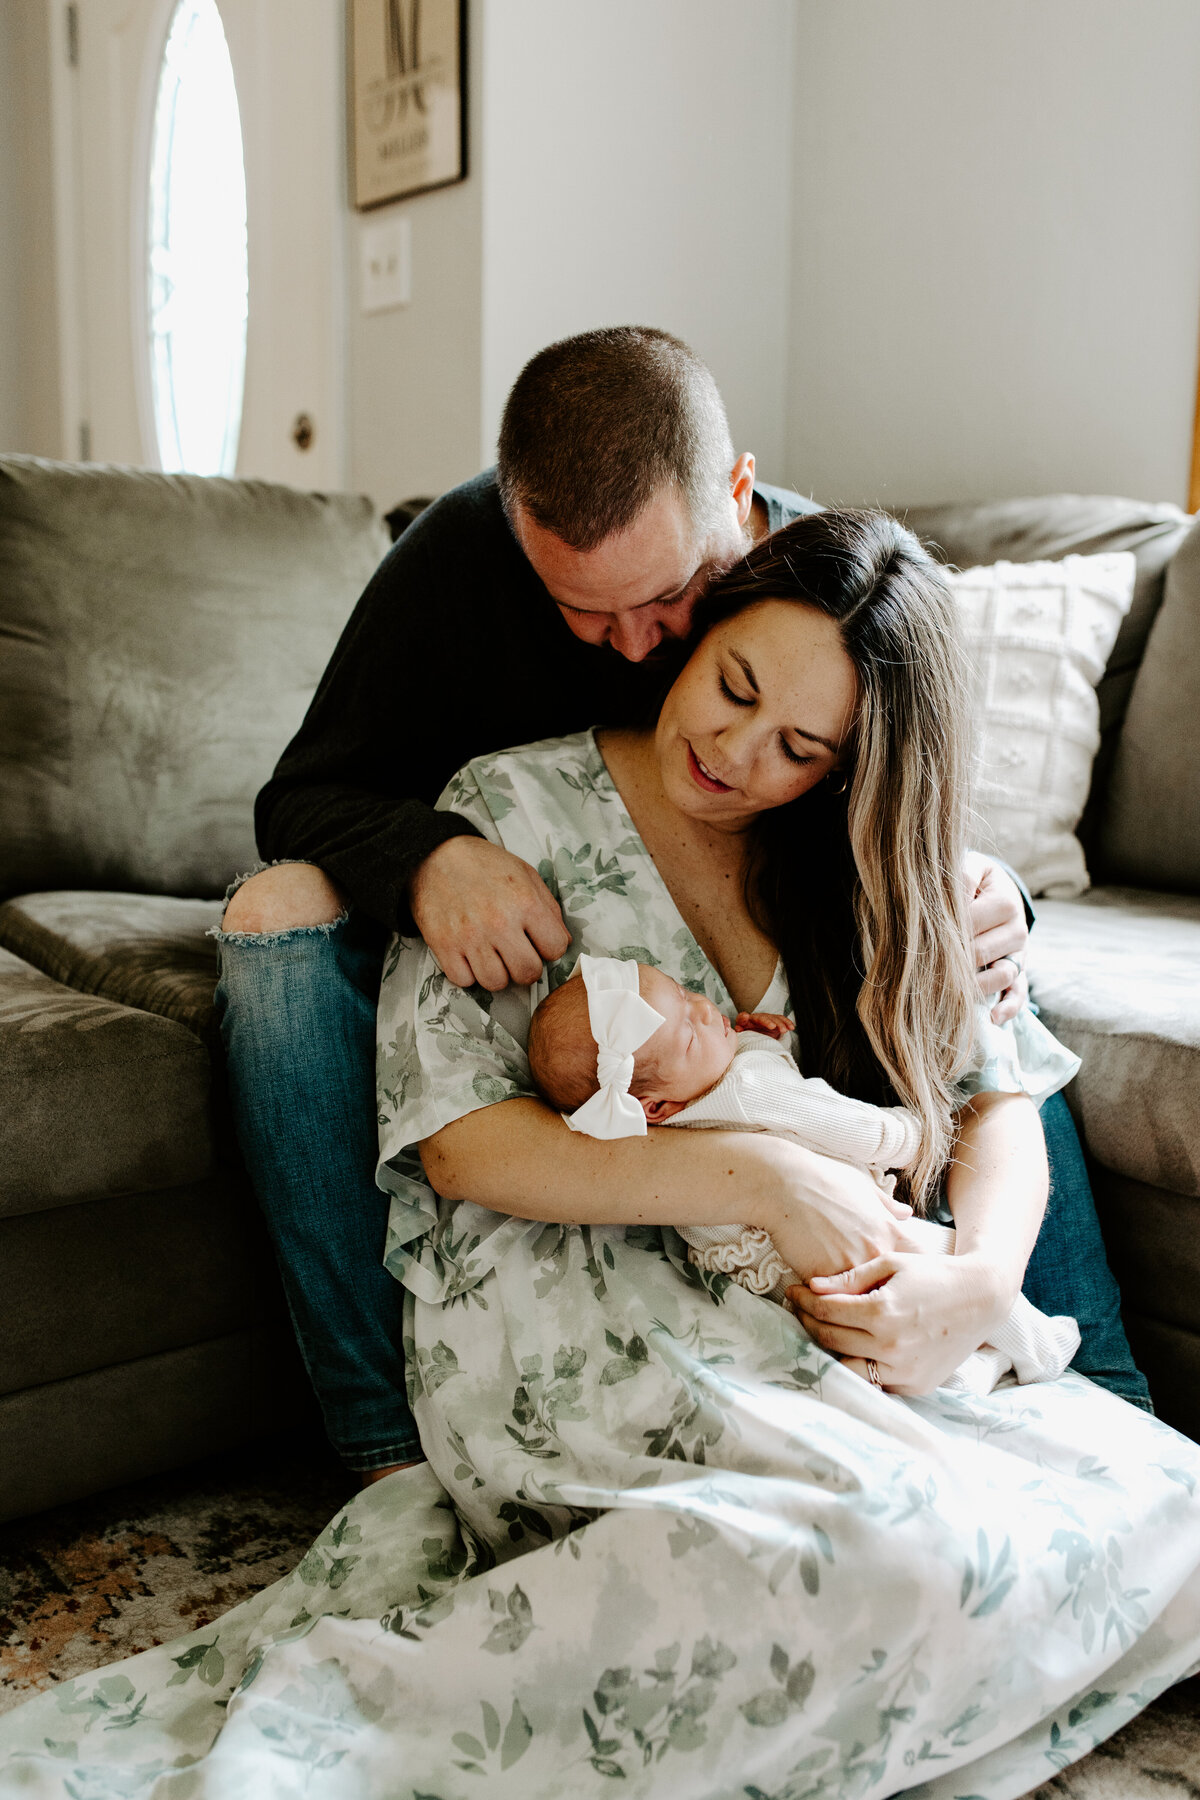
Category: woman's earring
[839,787]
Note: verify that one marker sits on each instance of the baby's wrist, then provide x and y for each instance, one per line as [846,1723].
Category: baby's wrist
[994,1284]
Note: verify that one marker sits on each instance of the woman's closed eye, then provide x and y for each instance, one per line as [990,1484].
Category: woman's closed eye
[737,699]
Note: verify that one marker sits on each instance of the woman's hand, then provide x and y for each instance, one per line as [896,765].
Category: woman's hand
[916,1317]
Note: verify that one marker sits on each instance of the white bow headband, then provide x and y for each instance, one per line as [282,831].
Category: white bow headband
[621,1022]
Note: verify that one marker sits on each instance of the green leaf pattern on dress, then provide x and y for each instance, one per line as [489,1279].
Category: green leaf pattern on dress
[663,1545]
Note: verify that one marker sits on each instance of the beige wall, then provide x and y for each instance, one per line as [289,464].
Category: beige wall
[29,410]
[413,374]
[636,170]
[996,248]
[628,162]
[931,249]
[12,401]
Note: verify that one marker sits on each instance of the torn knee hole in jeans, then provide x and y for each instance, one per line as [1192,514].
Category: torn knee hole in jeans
[270,937]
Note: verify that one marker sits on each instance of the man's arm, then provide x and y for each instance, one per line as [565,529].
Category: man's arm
[1000,915]
[353,791]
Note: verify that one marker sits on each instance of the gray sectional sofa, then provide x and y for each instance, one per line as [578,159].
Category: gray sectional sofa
[159,639]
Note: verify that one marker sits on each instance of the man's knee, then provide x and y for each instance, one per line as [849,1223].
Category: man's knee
[286,897]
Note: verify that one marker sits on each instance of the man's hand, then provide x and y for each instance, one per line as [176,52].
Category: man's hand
[488,917]
[996,911]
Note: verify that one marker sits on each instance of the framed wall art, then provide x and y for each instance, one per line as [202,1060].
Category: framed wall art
[407,98]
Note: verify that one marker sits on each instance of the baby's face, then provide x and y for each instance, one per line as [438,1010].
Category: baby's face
[694,1046]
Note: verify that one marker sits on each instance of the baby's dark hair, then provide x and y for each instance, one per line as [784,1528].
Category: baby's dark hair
[562,1050]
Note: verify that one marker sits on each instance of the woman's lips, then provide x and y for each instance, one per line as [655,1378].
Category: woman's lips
[701,777]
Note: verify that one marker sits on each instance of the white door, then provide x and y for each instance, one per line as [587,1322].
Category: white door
[287,63]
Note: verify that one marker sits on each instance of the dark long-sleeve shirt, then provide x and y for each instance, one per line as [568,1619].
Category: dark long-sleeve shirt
[455,648]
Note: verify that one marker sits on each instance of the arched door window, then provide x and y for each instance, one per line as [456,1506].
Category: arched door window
[198,282]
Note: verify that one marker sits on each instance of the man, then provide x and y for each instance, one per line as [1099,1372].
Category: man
[529,602]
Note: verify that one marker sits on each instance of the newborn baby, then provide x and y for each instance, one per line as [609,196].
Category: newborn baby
[621,1046]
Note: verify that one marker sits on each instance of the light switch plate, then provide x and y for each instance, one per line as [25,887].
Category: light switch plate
[386,253]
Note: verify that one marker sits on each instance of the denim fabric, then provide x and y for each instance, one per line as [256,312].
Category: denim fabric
[297,1017]
[1068,1271]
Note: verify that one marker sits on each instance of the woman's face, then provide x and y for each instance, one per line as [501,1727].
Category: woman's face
[759,715]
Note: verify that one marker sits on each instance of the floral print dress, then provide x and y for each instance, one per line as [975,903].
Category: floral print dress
[663,1545]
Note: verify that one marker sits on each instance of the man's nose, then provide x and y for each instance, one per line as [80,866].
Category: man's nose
[635,637]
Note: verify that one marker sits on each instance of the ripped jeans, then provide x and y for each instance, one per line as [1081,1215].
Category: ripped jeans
[297,1016]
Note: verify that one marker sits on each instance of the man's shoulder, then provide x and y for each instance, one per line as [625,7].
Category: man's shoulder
[783,504]
[458,538]
[473,507]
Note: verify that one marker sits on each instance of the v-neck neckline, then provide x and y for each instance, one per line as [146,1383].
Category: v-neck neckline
[777,973]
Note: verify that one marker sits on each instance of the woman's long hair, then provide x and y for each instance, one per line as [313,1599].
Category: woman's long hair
[862,889]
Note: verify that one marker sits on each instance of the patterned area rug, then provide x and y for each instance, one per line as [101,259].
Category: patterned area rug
[90,1583]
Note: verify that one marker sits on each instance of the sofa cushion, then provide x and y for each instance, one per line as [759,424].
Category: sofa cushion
[1038,636]
[1047,528]
[98,1098]
[160,638]
[131,1276]
[1153,1243]
[1150,830]
[1117,976]
[143,950]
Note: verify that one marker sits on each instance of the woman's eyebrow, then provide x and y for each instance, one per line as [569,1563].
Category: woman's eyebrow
[814,736]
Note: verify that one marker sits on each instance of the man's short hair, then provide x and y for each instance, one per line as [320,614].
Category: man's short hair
[596,425]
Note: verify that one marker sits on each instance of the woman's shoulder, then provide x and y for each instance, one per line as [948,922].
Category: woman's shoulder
[549,776]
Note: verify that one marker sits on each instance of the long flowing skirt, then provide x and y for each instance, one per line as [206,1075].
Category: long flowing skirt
[664,1546]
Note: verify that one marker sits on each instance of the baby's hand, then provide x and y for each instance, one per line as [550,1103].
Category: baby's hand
[772,1025]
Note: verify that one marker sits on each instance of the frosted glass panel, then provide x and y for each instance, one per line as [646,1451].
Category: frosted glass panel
[197,241]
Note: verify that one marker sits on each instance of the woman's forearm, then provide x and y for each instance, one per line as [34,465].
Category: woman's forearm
[997,1184]
[519,1157]
[916,1317]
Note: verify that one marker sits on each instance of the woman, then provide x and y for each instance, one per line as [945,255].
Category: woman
[730,1565]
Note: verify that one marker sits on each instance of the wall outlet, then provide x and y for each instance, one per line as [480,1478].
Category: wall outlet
[386,256]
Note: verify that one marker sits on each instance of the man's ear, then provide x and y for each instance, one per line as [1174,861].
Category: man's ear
[659,1111]
[741,485]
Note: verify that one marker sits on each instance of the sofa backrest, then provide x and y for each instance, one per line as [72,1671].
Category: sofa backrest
[160,638]
[1044,529]
[1150,826]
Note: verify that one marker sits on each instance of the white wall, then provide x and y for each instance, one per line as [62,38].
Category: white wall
[29,387]
[931,249]
[12,408]
[635,170]
[996,248]
[414,388]
[628,162]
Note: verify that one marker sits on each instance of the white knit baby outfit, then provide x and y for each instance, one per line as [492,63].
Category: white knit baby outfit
[763,1090]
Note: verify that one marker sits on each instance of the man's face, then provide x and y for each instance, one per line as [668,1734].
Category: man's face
[640,585]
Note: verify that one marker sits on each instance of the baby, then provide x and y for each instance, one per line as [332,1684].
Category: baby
[620,1046]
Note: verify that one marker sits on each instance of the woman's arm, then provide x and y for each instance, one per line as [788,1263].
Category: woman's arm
[918,1316]
[519,1157]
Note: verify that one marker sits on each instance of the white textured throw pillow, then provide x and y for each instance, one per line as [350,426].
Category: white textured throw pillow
[1039,635]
